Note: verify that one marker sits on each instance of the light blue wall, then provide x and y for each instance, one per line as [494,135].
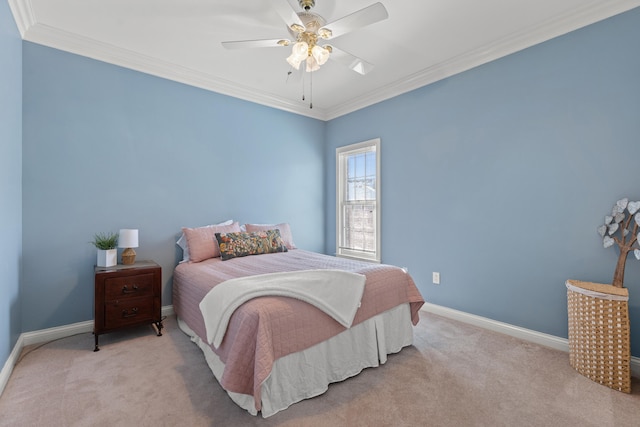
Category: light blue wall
[108,148]
[498,177]
[10,180]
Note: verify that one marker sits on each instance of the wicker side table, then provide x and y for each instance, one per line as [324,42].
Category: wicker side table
[599,343]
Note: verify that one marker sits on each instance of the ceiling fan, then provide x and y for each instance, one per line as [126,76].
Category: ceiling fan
[308,30]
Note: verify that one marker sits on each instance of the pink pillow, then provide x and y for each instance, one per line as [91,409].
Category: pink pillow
[202,240]
[182,241]
[285,232]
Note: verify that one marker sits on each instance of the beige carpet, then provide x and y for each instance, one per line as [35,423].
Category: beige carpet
[454,375]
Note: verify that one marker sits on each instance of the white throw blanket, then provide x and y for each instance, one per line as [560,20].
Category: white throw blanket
[335,292]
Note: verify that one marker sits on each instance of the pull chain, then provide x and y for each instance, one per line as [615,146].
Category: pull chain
[311,90]
[303,87]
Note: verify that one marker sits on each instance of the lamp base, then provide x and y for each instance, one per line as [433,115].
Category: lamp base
[128,256]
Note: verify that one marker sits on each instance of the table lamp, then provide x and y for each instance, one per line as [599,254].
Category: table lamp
[128,239]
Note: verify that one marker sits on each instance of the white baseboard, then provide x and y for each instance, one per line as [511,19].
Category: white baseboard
[511,330]
[50,334]
[10,363]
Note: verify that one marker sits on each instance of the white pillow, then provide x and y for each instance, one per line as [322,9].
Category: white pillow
[182,241]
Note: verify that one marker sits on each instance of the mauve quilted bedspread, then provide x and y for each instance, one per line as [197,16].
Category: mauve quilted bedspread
[266,328]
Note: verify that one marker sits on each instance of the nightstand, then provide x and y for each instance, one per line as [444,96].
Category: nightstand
[127,295]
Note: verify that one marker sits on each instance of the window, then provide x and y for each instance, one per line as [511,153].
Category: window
[357,200]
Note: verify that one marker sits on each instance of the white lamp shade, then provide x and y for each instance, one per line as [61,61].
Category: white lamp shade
[320,54]
[128,238]
[294,62]
[300,50]
[299,53]
[312,65]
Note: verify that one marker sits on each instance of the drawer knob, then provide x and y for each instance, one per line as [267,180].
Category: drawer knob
[132,313]
[125,289]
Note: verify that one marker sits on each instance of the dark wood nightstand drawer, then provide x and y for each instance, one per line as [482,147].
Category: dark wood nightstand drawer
[127,295]
[129,311]
[128,286]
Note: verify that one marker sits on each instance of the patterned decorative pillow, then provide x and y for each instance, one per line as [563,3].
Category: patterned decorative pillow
[202,241]
[234,245]
[285,231]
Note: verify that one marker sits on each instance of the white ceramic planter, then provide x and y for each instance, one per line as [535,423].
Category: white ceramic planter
[107,258]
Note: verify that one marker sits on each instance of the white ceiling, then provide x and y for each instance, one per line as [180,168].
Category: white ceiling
[421,42]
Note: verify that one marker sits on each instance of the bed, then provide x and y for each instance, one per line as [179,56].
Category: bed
[279,350]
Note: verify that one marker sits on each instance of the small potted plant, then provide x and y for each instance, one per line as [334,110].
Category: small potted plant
[107,244]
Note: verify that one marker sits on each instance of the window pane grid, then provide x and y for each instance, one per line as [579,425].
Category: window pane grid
[359,227]
[357,199]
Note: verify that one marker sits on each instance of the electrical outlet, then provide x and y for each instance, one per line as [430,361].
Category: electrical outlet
[436,278]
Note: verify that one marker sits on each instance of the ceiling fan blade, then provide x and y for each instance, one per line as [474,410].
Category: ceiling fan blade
[288,14]
[248,44]
[350,61]
[363,17]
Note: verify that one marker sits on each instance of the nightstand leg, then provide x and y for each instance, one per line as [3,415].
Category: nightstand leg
[159,326]
[96,340]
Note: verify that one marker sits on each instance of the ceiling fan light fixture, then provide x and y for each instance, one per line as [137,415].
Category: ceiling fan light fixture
[295,63]
[299,53]
[306,28]
[300,50]
[312,64]
[320,54]
[297,28]
[325,33]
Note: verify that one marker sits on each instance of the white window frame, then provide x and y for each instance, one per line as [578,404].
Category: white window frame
[341,179]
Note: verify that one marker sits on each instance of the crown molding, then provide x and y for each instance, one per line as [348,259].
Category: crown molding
[23,15]
[35,32]
[84,46]
[563,24]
